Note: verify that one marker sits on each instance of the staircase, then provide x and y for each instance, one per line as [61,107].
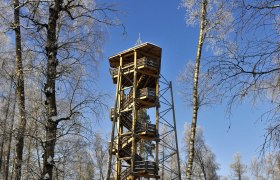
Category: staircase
[139,72]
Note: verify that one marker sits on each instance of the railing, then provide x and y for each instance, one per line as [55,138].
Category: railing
[144,61]
[113,71]
[148,92]
[126,118]
[126,121]
[145,92]
[124,139]
[125,173]
[146,167]
[146,127]
[127,100]
[126,152]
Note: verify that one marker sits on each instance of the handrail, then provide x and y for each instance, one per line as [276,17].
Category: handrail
[147,62]
[146,127]
[146,166]
[125,173]
[144,92]
[126,120]
[149,92]
[144,61]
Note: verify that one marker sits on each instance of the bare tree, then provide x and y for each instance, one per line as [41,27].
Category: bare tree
[100,152]
[238,169]
[20,92]
[5,110]
[67,34]
[214,19]
[195,87]
[6,92]
[7,98]
[7,173]
[271,170]
[61,41]
[247,65]
[256,169]
[205,166]
[266,167]
[208,93]
[9,103]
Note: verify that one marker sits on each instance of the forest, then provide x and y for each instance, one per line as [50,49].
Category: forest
[64,115]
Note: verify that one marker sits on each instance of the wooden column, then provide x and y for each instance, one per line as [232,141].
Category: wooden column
[157,119]
[134,115]
[119,128]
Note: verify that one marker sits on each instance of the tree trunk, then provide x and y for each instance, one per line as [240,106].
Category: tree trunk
[195,89]
[28,158]
[51,126]
[7,164]
[7,112]
[20,94]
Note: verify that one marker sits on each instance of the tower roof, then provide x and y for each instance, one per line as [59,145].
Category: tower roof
[146,48]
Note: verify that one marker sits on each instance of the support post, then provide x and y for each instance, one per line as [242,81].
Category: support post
[157,120]
[175,131]
[119,128]
[133,147]
[113,128]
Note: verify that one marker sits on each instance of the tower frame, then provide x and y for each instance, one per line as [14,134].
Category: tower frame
[136,71]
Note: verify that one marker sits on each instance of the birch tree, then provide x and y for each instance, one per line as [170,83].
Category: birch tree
[214,21]
[65,39]
[7,100]
[195,86]
[20,92]
[8,112]
[68,35]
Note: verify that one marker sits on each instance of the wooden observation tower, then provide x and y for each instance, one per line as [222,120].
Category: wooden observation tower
[136,73]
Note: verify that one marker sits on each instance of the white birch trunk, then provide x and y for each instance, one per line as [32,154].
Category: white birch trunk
[195,89]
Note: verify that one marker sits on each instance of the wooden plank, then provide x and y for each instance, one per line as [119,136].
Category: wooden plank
[158,58]
[142,47]
[148,73]
[134,116]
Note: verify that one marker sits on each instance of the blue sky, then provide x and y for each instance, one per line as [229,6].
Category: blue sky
[163,23]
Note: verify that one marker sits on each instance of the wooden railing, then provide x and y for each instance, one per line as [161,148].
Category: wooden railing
[146,127]
[146,167]
[145,92]
[127,100]
[148,92]
[125,173]
[126,120]
[113,71]
[144,61]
